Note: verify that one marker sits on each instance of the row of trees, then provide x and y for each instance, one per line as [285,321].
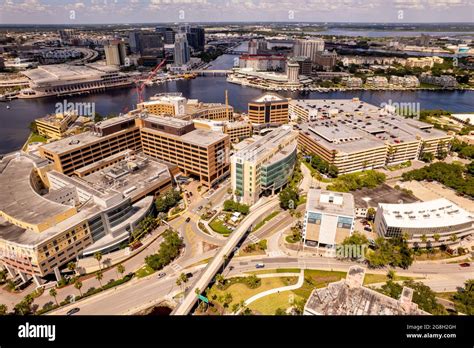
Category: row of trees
[322,166]
[230,205]
[169,250]
[463,149]
[455,176]
[355,181]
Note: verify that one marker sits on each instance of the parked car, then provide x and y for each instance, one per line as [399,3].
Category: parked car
[368,228]
[188,219]
[465,264]
[259,265]
[135,246]
[199,208]
[161,275]
[189,275]
[72,311]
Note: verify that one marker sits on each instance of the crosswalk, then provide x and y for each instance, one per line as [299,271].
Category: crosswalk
[253,238]
[176,267]
[276,253]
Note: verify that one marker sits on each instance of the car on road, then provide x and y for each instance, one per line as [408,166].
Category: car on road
[189,275]
[199,208]
[188,219]
[161,275]
[465,264]
[259,265]
[73,311]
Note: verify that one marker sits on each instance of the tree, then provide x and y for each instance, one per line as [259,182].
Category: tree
[24,307]
[288,198]
[227,299]
[120,269]
[3,276]
[78,286]
[280,311]
[391,274]
[453,238]
[464,298]
[371,213]
[427,157]
[3,309]
[436,237]
[179,283]
[72,266]
[99,276]
[54,293]
[220,279]
[98,117]
[423,238]
[184,278]
[98,257]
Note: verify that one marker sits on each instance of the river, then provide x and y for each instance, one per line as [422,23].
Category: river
[14,121]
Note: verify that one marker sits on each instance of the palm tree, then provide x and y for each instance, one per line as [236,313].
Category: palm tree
[391,274]
[371,213]
[436,237]
[120,269]
[54,293]
[99,276]
[98,257]
[78,286]
[405,236]
[72,266]
[453,238]
[220,279]
[183,277]
[179,283]
[423,238]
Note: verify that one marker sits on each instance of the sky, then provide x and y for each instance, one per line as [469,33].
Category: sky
[155,11]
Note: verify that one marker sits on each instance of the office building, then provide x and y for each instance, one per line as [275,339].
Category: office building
[198,152]
[292,69]
[171,104]
[325,60]
[308,48]
[115,53]
[438,218]
[263,165]
[349,297]
[376,82]
[168,34]
[146,43]
[195,151]
[262,62]
[270,108]
[196,38]
[174,104]
[304,63]
[423,62]
[329,218]
[181,50]
[237,131]
[354,136]
[55,126]
[48,219]
[107,138]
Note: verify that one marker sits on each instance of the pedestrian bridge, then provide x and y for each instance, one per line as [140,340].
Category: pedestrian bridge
[221,257]
[212,72]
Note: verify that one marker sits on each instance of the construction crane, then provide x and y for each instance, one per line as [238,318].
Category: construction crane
[141,87]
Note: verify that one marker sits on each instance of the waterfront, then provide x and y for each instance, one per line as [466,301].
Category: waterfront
[14,121]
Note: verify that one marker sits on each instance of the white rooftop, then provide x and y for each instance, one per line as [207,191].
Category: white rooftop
[437,213]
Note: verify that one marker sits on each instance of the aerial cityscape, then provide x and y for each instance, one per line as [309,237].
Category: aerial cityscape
[212,158]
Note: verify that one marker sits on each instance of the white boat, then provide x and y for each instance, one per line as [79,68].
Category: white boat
[8,106]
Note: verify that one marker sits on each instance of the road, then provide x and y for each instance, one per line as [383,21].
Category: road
[216,263]
[143,291]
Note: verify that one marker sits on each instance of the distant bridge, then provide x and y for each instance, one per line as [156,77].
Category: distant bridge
[212,72]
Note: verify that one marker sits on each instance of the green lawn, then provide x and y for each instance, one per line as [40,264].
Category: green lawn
[241,291]
[36,138]
[317,279]
[144,271]
[218,226]
[381,278]
[269,304]
[264,221]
